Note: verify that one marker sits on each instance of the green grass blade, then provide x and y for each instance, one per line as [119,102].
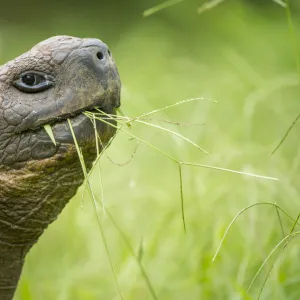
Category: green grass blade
[170,106]
[123,235]
[120,112]
[269,256]
[240,213]
[184,163]
[280,2]
[297,60]
[173,133]
[209,5]
[286,134]
[272,266]
[49,131]
[98,141]
[136,256]
[230,171]
[160,7]
[128,160]
[181,197]
[280,221]
[96,209]
[279,253]
[140,254]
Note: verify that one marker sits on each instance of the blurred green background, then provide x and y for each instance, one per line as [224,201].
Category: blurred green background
[239,53]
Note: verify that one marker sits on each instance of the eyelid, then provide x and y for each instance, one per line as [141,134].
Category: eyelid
[39,73]
[45,84]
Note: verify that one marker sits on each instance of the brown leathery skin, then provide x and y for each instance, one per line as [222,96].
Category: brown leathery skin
[38,178]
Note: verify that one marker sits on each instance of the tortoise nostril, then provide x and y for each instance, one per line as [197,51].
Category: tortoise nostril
[100,55]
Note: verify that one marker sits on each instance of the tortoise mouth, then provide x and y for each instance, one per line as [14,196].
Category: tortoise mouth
[100,105]
[35,144]
[82,126]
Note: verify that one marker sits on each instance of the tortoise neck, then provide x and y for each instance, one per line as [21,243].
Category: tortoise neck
[11,263]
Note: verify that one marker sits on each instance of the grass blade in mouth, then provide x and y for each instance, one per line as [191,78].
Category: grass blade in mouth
[120,112]
[49,131]
[120,127]
[122,121]
[96,209]
[115,224]
[179,163]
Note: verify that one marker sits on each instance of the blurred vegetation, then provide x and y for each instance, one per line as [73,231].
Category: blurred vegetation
[239,53]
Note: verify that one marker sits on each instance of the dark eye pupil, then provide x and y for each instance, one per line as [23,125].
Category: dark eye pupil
[29,79]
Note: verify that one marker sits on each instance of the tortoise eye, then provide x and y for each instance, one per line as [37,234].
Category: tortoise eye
[33,82]
[29,79]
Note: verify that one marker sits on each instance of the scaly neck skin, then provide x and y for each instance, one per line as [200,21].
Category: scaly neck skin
[11,263]
[30,199]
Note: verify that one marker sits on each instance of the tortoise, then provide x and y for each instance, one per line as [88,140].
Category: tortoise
[56,80]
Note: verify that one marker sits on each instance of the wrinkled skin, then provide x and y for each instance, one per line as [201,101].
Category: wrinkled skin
[37,178]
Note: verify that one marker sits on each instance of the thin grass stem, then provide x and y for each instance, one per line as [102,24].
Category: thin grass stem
[268,257]
[229,170]
[96,209]
[160,7]
[240,213]
[174,133]
[181,197]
